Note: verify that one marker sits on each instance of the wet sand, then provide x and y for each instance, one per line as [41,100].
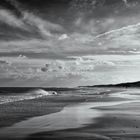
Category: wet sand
[118,122]
[104,118]
[121,122]
[73,116]
[11,113]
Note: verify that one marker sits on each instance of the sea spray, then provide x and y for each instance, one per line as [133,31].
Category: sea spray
[32,94]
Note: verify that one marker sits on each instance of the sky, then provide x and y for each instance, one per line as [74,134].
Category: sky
[69,43]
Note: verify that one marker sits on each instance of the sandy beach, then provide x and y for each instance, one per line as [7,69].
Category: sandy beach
[118,122]
[100,117]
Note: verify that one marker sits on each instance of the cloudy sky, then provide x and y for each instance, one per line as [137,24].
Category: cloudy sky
[69,43]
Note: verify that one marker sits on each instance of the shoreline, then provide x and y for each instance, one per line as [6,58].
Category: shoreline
[49,106]
[11,113]
[39,124]
[113,125]
[14,112]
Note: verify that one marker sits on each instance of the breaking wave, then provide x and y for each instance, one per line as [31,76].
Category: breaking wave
[32,94]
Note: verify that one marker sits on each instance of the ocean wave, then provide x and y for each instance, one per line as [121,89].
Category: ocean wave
[33,94]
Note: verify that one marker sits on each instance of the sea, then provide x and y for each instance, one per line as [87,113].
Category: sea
[14,94]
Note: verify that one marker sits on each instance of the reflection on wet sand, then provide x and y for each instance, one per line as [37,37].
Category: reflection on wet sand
[72,116]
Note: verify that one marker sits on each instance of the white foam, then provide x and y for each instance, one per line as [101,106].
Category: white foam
[26,96]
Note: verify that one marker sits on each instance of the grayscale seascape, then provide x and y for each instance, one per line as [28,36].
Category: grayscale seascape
[69,70]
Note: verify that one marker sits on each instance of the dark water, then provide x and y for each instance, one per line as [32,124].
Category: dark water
[18,94]
[13,94]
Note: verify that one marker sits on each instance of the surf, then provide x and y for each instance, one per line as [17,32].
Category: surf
[32,94]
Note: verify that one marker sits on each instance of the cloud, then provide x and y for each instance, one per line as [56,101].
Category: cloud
[32,45]
[24,68]
[125,1]
[29,22]
[120,41]
[4,62]
[22,56]
[91,69]
[86,5]
[84,25]
[78,66]
[63,37]
[88,41]
[44,27]
[126,30]
[10,19]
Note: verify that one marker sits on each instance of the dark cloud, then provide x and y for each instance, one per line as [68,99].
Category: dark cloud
[65,12]
[3,62]
[10,5]
[59,5]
